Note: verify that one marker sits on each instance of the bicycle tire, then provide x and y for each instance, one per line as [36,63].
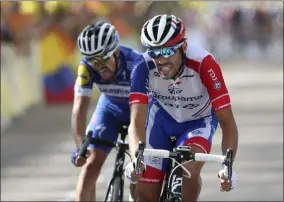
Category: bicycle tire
[115,192]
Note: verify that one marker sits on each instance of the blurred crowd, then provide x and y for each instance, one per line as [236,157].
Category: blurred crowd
[209,24]
[259,25]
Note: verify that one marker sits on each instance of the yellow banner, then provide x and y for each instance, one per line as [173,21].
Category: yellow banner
[56,48]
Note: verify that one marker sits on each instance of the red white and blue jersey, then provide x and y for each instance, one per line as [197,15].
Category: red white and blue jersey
[198,91]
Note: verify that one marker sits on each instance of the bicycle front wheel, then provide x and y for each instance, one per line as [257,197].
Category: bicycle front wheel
[116,191]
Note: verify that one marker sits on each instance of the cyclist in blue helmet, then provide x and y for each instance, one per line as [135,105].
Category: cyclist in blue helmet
[107,65]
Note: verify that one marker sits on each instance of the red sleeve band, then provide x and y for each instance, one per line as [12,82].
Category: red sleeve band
[221,102]
[138,98]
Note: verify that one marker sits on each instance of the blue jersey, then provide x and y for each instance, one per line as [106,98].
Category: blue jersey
[118,90]
[113,105]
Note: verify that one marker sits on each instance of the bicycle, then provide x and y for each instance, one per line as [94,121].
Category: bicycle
[171,191]
[116,183]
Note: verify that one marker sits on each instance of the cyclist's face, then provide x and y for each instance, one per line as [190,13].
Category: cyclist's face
[105,67]
[170,66]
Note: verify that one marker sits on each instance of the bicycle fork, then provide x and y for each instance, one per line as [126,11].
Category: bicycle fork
[118,172]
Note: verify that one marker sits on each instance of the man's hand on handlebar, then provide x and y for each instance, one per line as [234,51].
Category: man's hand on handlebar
[225,184]
[135,170]
[79,156]
[131,174]
[78,162]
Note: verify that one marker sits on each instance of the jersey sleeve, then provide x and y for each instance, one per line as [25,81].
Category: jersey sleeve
[212,78]
[139,82]
[84,83]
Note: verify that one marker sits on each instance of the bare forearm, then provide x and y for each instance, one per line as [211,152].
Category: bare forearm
[136,134]
[136,130]
[229,129]
[78,127]
[230,138]
[79,118]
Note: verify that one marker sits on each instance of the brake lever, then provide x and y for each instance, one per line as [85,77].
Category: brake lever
[83,150]
[229,163]
[139,155]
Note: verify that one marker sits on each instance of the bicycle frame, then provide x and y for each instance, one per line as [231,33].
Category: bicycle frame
[172,187]
[118,166]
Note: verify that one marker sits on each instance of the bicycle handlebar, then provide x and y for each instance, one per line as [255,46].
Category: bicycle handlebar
[83,150]
[188,155]
[160,153]
[89,140]
[157,153]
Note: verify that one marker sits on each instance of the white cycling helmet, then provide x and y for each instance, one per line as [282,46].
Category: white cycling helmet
[162,30]
[99,39]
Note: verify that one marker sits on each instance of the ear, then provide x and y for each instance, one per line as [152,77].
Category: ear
[184,46]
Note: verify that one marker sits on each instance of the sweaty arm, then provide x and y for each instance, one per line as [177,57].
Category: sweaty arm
[83,93]
[211,76]
[138,101]
[136,128]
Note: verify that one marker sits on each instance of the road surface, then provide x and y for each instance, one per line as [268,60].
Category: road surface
[35,151]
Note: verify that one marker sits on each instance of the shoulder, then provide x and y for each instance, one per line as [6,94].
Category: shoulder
[85,72]
[128,53]
[85,65]
[197,58]
[143,61]
[196,53]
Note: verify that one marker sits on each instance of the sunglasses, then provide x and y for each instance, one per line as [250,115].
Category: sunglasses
[164,52]
[101,59]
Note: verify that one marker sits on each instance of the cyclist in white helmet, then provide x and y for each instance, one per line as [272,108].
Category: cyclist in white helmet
[188,98]
[108,65]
